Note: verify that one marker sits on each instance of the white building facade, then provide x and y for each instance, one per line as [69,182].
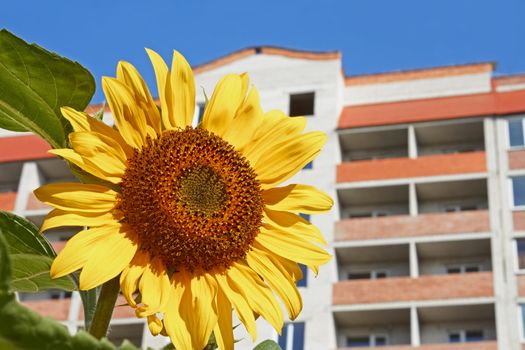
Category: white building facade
[427,171]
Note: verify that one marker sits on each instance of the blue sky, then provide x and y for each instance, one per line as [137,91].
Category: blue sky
[373,35]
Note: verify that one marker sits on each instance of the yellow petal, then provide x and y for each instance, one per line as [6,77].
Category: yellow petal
[77,197]
[223,104]
[292,247]
[85,164]
[297,198]
[100,150]
[174,325]
[84,122]
[278,279]
[57,218]
[258,294]
[239,302]
[195,310]
[80,248]
[129,75]
[286,159]
[183,91]
[131,274]
[108,260]
[275,128]
[245,125]
[288,222]
[164,89]
[154,288]
[131,121]
[223,329]
[155,325]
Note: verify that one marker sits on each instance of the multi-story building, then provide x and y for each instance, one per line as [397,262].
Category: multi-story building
[427,169]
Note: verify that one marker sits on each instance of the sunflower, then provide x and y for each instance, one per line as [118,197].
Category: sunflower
[190,218]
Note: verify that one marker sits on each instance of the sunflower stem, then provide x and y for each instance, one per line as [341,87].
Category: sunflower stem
[104,310]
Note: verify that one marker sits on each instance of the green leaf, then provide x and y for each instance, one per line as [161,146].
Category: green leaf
[23,329]
[34,84]
[22,236]
[31,256]
[31,274]
[267,345]
[89,302]
[5,268]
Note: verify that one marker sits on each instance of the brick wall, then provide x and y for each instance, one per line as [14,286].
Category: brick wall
[409,226]
[7,200]
[435,287]
[395,168]
[518,219]
[517,159]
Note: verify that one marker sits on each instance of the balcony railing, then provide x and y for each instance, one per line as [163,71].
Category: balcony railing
[396,168]
[429,287]
[482,345]
[410,226]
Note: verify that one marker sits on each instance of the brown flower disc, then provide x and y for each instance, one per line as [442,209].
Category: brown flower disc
[193,200]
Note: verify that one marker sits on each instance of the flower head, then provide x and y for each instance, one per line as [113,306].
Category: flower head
[191,218]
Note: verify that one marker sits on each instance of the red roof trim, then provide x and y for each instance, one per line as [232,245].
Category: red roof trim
[423,73]
[20,148]
[493,103]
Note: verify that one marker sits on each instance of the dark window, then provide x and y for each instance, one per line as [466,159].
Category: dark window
[381,274]
[518,190]
[359,276]
[472,269]
[309,165]
[380,341]
[358,342]
[200,106]
[283,337]
[520,242]
[516,132]
[472,336]
[522,306]
[298,336]
[303,281]
[305,216]
[454,337]
[302,104]
[453,270]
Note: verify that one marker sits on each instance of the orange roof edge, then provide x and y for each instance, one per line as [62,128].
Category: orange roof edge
[441,108]
[250,51]
[422,73]
[510,79]
[267,50]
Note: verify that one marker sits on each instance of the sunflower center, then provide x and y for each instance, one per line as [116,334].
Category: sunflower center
[193,200]
[202,190]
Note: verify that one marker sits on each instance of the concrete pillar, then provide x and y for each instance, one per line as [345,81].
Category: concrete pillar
[412,199]
[413,260]
[415,339]
[30,179]
[74,310]
[412,142]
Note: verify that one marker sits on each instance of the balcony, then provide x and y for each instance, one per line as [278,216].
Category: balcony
[483,345]
[410,226]
[397,168]
[430,287]
[458,327]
